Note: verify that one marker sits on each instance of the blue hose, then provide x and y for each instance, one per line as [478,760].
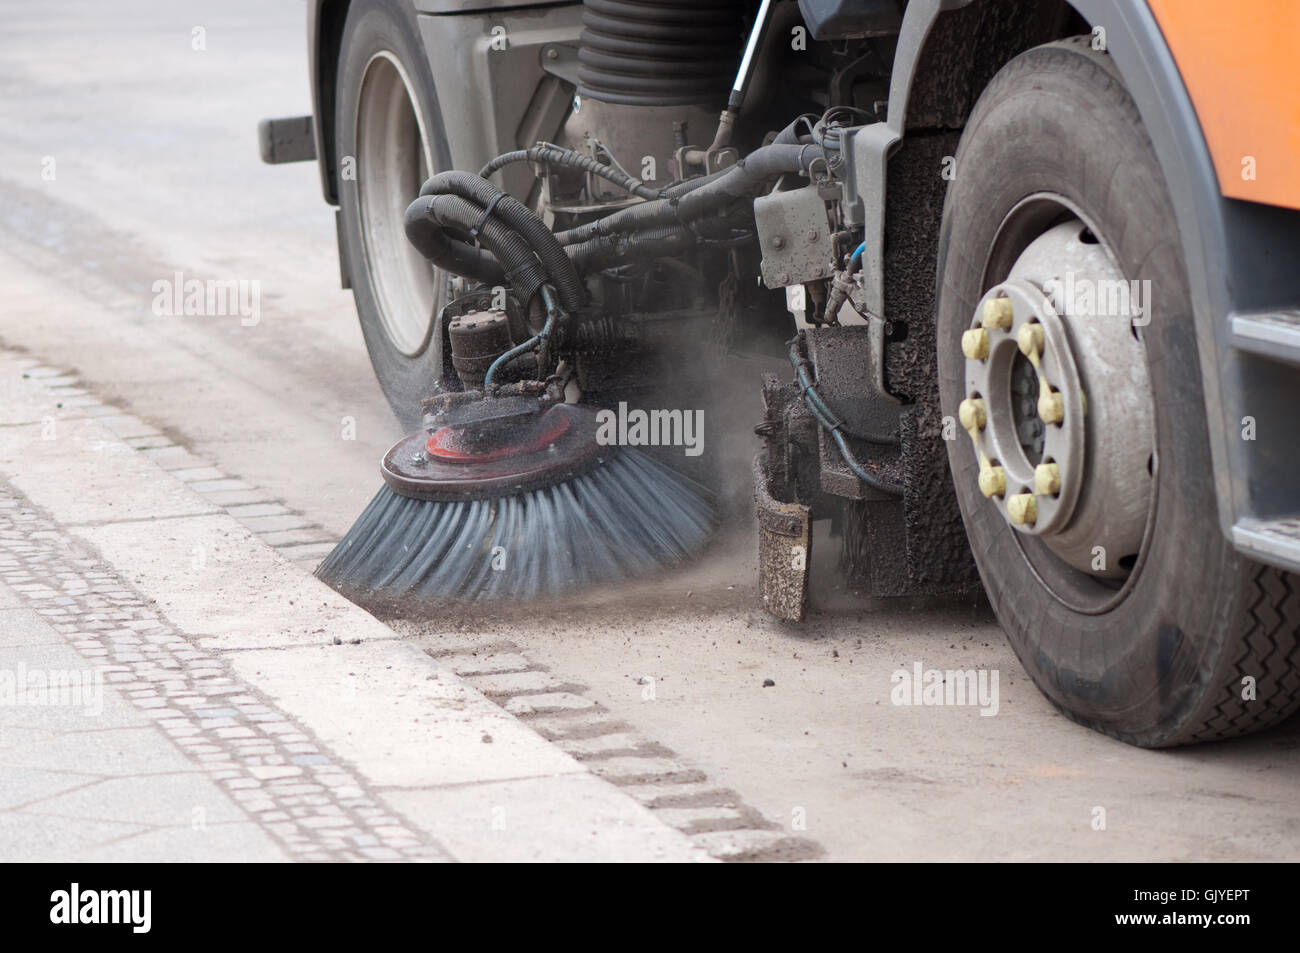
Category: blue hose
[855,260]
[533,343]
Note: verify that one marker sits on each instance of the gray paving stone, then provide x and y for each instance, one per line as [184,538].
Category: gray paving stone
[548,702]
[161,800]
[195,474]
[487,663]
[257,509]
[219,485]
[116,752]
[274,524]
[132,488]
[12,736]
[295,537]
[693,817]
[175,458]
[514,683]
[27,786]
[518,821]
[238,497]
[428,733]
[126,425]
[243,842]
[19,627]
[31,838]
[242,596]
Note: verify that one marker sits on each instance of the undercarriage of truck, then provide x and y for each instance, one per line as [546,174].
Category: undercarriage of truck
[946,241]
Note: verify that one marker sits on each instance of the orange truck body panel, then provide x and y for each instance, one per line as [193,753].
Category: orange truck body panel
[1240,62]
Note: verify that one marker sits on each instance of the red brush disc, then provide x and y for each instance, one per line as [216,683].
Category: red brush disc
[457,463]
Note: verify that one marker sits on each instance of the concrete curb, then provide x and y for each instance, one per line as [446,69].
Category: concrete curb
[440,754]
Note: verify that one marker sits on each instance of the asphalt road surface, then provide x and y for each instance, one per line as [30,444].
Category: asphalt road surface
[127,156]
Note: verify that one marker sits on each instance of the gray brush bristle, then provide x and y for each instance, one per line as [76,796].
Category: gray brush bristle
[630,516]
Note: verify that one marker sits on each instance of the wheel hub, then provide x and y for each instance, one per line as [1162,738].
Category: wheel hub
[1058,406]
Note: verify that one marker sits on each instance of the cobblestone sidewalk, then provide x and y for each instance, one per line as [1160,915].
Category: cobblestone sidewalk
[147,745]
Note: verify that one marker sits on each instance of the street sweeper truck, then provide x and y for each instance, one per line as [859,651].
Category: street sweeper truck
[1031,269]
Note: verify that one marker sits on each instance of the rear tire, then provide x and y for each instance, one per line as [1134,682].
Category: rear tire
[1166,657]
[389,137]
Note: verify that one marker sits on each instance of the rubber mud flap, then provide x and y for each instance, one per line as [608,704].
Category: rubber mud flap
[784,550]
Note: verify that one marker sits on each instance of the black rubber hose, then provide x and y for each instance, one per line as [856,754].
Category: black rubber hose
[431,241]
[429,216]
[599,253]
[555,155]
[834,426]
[519,218]
[631,217]
[735,182]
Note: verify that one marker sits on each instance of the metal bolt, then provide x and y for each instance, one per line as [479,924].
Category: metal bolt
[1030,339]
[1022,508]
[971,413]
[552,53]
[997,314]
[1047,479]
[778,242]
[975,344]
[993,481]
[1051,408]
[812,234]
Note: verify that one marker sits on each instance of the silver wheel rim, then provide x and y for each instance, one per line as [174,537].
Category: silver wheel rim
[393,159]
[1091,513]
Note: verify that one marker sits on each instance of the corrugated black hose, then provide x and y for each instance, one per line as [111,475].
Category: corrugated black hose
[519,218]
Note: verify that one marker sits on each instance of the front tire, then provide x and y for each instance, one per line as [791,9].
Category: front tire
[1191,642]
[389,138]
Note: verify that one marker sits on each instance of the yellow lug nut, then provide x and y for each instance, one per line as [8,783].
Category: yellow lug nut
[1030,339]
[971,414]
[1051,408]
[1022,508]
[993,481]
[975,344]
[997,314]
[1047,479]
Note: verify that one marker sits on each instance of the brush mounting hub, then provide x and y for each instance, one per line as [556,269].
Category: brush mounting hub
[494,455]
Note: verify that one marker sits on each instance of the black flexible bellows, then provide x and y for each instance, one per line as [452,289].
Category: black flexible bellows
[660,52]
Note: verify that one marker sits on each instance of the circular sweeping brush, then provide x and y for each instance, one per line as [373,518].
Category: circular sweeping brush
[503,500]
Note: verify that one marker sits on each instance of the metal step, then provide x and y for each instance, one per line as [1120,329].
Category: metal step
[1275,541]
[1275,335]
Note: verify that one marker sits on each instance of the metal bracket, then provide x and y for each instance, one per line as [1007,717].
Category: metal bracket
[794,234]
[561,61]
[866,154]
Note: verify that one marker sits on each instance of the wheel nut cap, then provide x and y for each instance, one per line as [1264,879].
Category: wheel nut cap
[1030,339]
[993,481]
[1047,479]
[971,413]
[997,314]
[975,344]
[1051,408]
[1022,508]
